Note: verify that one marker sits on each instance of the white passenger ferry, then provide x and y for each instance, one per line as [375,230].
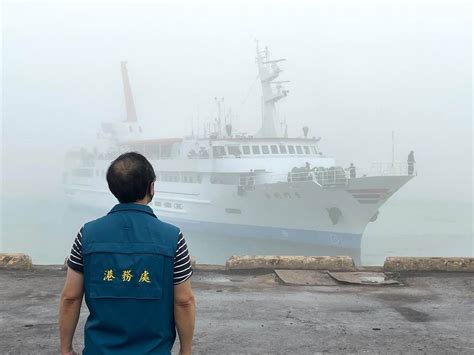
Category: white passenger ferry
[267,185]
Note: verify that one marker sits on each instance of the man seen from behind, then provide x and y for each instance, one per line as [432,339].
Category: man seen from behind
[134,271]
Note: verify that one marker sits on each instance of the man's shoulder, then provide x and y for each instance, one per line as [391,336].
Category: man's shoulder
[96,222]
[167,227]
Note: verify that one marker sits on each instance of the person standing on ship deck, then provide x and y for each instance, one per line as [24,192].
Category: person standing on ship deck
[352,171]
[411,162]
[134,271]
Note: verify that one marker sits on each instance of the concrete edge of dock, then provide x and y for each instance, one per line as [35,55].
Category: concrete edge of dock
[271,262]
[345,263]
[19,261]
[442,264]
[15,261]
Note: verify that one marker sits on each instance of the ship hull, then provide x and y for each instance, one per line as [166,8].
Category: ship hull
[330,219]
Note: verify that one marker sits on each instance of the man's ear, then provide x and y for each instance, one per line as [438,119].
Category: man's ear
[152,189]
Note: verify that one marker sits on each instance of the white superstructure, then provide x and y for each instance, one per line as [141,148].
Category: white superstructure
[262,186]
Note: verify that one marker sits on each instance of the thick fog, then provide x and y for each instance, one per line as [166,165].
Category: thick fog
[358,72]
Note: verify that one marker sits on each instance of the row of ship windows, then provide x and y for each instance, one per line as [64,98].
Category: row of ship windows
[220,150]
[176,206]
[281,196]
[176,177]
[179,206]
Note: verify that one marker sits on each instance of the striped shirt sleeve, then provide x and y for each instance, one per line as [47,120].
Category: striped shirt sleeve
[182,262]
[75,260]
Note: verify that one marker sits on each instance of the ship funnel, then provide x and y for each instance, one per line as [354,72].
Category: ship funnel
[127,90]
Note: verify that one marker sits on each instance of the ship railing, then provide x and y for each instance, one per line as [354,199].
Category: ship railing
[330,177]
[249,180]
[391,169]
[322,178]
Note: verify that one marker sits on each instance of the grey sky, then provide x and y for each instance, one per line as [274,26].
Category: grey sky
[358,70]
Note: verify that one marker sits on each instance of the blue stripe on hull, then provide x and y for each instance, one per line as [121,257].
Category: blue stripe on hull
[328,239]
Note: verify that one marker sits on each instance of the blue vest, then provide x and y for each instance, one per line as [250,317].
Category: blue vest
[128,282]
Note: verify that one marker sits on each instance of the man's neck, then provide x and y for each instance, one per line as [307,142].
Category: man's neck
[143,201]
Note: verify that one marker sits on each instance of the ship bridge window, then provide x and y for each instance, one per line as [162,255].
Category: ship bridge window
[274,149]
[265,149]
[255,149]
[291,149]
[299,150]
[306,149]
[218,151]
[313,150]
[282,149]
[246,149]
[233,150]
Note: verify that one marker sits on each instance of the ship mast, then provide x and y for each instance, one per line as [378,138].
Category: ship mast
[268,71]
[129,104]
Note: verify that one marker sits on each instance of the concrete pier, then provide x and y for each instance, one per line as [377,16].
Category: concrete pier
[251,312]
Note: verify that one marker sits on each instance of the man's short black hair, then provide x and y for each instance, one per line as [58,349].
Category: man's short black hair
[129,177]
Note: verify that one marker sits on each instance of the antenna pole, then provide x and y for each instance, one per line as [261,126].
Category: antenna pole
[197,122]
[219,102]
[393,150]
